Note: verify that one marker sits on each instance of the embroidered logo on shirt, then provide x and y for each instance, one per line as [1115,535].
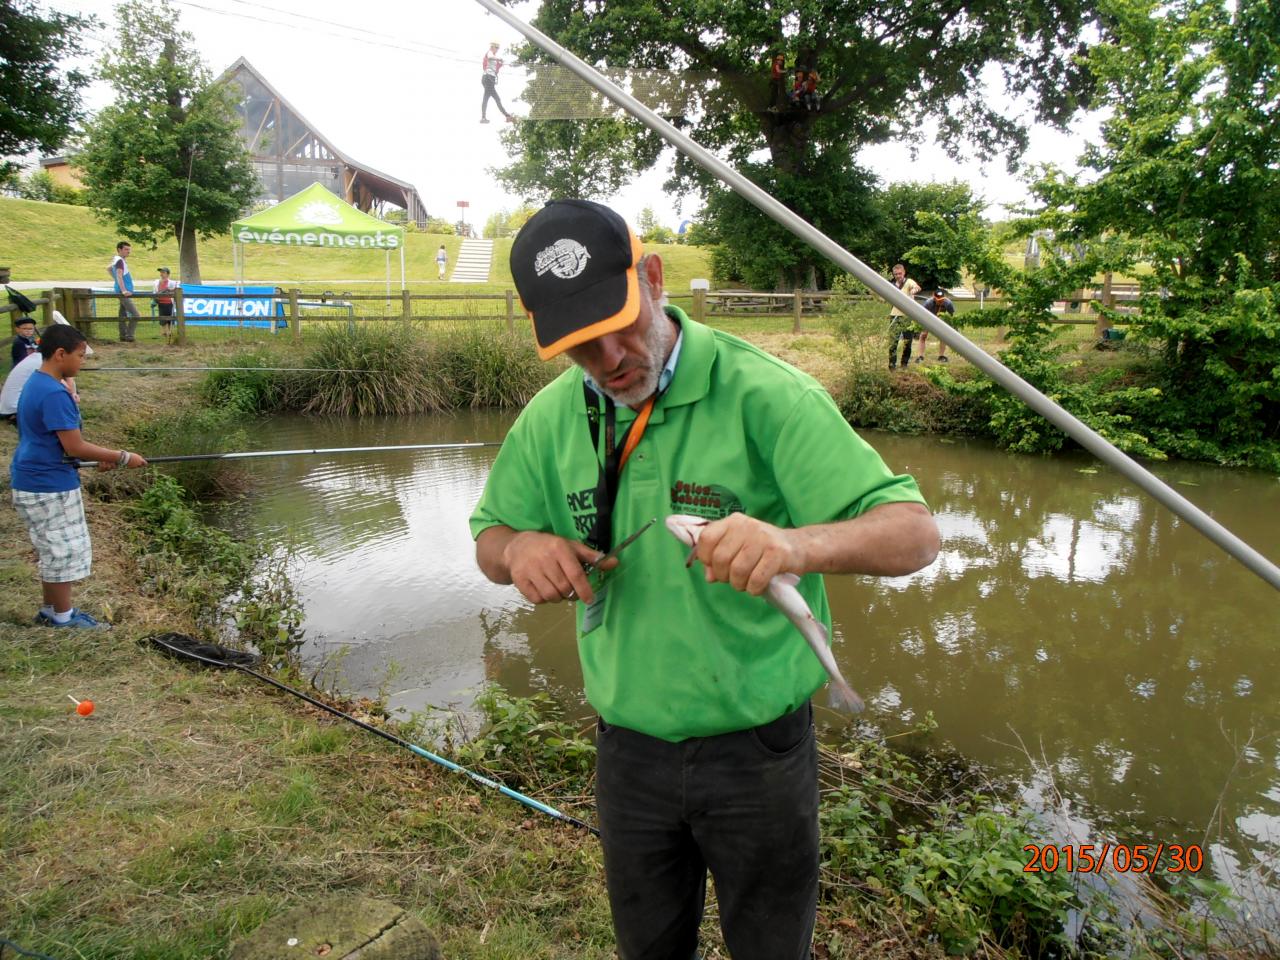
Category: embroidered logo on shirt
[711,501]
[564,258]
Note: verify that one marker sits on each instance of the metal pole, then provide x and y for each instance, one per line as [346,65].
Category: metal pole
[993,368]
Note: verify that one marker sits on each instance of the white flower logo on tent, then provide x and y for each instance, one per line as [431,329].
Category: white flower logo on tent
[318,214]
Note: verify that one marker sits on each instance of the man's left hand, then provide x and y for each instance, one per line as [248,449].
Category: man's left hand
[748,553]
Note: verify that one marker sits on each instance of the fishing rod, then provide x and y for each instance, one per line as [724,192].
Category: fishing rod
[258,454]
[214,655]
[1071,425]
[203,369]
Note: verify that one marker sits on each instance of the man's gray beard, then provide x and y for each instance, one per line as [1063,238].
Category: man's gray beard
[658,340]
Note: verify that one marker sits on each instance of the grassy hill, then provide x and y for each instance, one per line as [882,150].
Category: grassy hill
[52,241]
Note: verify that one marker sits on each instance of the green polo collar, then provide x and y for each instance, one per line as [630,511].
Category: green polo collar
[692,379]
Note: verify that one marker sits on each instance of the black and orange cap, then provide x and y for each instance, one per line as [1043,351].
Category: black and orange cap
[574,265]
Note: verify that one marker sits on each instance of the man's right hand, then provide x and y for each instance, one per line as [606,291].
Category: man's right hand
[549,569]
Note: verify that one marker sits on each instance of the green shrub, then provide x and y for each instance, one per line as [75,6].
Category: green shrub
[955,866]
[246,390]
[194,431]
[525,742]
[488,368]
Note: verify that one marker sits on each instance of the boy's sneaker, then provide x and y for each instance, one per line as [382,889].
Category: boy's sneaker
[944,359]
[79,619]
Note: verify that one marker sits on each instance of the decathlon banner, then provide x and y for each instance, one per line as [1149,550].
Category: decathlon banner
[210,306]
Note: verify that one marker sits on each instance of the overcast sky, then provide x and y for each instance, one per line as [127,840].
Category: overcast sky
[395,84]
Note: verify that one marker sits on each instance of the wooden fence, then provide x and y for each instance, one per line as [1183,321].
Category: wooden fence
[78,306]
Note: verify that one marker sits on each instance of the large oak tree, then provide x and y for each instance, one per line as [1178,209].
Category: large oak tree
[912,70]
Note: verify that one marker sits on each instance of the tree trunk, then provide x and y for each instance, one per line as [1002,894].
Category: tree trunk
[189,256]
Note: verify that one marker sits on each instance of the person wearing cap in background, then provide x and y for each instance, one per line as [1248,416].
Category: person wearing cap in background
[490,65]
[939,303]
[165,304]
[706,748]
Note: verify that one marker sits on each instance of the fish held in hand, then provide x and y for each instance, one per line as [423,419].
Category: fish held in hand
[783,595]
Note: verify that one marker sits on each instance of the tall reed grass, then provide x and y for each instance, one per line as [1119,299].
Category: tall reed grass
[386,369]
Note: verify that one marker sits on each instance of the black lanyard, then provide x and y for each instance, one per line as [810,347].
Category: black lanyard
[616,451]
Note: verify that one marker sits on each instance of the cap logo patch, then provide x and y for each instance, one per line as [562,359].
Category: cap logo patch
[564,258]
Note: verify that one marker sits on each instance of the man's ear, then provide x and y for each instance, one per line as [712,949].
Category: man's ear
[653,272]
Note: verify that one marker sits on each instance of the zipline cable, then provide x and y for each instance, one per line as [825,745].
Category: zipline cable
[1084,435]
[322,451]
[211,654]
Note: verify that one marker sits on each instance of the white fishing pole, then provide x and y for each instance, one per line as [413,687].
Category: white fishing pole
[320,451]
[993,368]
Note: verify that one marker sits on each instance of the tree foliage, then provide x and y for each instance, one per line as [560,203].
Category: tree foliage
[908,70]
[507,223]
[166,157]
[1187,175]
[39,103]
[39,185]
[587,159]
[899,233]
[754,250]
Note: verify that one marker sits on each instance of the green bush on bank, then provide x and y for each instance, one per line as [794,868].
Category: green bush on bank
[389,369]
[222,582]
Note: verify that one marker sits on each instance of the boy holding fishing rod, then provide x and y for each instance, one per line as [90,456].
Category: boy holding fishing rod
[706,752]
[46,484]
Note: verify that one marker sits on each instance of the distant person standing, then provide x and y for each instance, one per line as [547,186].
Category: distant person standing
[123,280]
[442,262]
[900,327]
[489,80]
[24,340]
[164,304]
[938,304]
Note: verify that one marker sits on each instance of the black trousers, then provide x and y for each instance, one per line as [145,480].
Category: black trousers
[743,805]
[490,85]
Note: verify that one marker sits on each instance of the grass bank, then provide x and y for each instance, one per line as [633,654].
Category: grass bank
[192,806]
[51,241]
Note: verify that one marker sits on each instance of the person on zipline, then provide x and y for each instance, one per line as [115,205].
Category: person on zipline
[489,80]
[706,753]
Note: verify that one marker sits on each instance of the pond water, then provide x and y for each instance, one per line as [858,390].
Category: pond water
[1073,635]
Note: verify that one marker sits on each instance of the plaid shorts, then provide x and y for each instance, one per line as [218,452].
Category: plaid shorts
[55,522]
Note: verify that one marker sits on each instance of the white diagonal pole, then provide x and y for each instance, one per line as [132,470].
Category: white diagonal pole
[1037,401]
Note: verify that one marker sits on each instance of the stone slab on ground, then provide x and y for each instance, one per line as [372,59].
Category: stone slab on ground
[341,928]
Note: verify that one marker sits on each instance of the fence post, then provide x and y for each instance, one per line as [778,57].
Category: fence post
[180,315]
[797,307]
[72,313]
[1108,301]
[700,304]
[46,308]
[295,316]
[511,311]
[406,307]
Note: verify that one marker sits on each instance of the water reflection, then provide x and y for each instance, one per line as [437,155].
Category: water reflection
[1068,616]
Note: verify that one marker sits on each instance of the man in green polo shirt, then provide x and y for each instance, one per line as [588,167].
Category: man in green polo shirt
[706,750]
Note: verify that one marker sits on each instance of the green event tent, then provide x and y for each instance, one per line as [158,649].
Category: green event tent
[316,218]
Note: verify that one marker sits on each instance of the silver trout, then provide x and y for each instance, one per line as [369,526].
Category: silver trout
[783,595]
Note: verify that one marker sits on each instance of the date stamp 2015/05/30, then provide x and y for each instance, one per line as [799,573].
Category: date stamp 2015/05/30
[1120,857]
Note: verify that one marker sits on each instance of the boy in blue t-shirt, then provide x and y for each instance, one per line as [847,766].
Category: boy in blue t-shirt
[46,486]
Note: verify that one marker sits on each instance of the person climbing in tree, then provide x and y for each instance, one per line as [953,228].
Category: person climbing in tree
[795,98]
[489,80]
[778,82]
[812,101]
